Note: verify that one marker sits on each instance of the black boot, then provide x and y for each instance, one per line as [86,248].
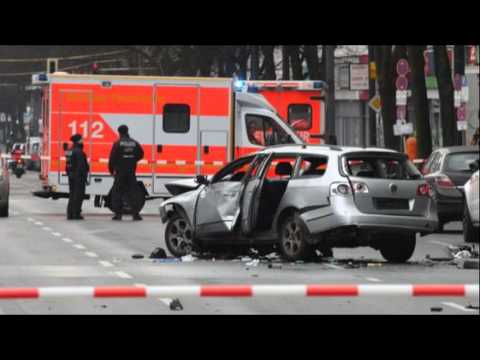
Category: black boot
[137,217]
[117,217]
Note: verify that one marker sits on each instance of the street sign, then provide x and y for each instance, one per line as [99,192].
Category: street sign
[375,104]
[462,113]
[407,129]
[401,97]
[457,97]
[401,112]
[462,125]
[402,67]
[373,70]
[402,83]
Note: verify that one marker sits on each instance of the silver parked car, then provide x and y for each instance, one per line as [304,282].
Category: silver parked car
[471,212]
[4,188]
[303,198]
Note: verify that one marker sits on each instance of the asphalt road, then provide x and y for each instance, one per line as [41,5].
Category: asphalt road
[38,247]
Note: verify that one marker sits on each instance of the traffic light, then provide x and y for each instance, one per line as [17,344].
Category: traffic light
[52,66]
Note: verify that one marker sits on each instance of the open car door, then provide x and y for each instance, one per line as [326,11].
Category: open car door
[218,205]
[250,202]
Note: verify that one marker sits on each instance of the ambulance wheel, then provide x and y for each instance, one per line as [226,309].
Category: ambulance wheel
[179,236]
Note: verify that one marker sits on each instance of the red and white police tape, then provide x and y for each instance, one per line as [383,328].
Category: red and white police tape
[233,291]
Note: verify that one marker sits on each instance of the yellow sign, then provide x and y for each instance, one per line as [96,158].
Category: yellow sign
[373,70]
[376,103]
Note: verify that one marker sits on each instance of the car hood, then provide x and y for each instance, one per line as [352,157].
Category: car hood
[182,186]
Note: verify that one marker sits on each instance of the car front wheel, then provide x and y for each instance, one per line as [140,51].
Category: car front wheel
[292,240]
[179,236]
[398,249]
[470,234]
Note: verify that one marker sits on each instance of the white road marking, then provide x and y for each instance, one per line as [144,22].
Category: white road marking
[438,243]
[334,267]
[56,234]
[39,223]
[67,240]
[372,279]
[31,220]
[79,247]
[123,275]
[106,263]
[458,307]
[91,254]
[46,228]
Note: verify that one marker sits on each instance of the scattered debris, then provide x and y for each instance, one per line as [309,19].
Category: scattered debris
[246,259]
[436,309]
[138,256]
[158,253]
[176,305]
[470,264]
[274,266]
[254,275]
[473,307]
[167,260]
[463,254]
[253,263]
[272,256]
[374,265]
[188,258]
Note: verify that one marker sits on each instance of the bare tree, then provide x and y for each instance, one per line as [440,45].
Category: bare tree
[445,90]
[268,66]
[296,62]
[313,64]
[285,63]
[420,101]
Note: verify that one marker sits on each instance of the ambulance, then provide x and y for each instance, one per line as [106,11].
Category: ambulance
[186,126]
[298,103]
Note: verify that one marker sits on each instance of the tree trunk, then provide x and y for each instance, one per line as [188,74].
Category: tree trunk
[386,82]
[459,68]
[420,101]
[254,62]
[313,65]
[445,90]
[372,115]
[243,62]
[285,63]
[297,71]
[268,63]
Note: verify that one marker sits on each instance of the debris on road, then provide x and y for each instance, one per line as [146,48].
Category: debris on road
[274,266]
[158,253]
[176,305]
[436,309]
[137,256]
[246,259]
[472,307]
[471,264]
[167,260]
[188,258]
[374,265]
[253,263]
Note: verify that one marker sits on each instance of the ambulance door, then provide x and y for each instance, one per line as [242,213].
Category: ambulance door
[175,131]
[74,117]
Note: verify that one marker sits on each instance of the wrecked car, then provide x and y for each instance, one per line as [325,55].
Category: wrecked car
[302,198]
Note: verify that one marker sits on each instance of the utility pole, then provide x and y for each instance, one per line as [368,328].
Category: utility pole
[330,103]
[372,115]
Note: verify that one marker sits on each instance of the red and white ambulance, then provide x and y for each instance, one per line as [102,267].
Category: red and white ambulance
[186,126]
[299,103]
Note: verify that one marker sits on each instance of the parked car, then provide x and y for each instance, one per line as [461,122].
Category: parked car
[304,198]
[471,212]
[4,188]
[447,170]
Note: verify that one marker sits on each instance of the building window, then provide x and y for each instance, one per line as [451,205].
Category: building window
[300,116]
[176,118]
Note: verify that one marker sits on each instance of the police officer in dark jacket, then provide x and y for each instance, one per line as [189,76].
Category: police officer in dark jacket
[124,156]
[77,170]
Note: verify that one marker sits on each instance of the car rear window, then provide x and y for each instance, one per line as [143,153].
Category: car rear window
[461,161]
[381,167]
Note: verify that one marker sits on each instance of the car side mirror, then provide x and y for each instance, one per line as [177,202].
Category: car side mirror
[201,179]
[474,166]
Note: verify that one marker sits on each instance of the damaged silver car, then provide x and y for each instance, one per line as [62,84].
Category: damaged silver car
[303,198]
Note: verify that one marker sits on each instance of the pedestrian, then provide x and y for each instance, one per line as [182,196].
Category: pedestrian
[476,137]
[125,155]
[77,169]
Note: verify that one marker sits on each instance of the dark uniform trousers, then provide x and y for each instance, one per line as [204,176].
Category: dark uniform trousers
[124,183]
[77,187]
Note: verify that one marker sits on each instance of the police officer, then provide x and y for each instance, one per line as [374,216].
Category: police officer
[77,170]
[124,156]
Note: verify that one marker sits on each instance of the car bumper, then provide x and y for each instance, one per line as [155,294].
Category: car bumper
[342,212]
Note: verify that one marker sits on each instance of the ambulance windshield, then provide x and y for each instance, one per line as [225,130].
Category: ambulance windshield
[264,131]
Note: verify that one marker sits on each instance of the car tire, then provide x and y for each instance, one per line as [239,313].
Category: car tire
[4,210]
[399,249]
[470,233]
[179,236]
[292,240]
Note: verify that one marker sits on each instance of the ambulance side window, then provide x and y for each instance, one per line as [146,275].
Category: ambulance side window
[263,131]
[176,118]
[300,116]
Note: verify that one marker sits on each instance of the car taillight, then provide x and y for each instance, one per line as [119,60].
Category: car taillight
[424,190]
[340,189]
[444,182]
[360,188]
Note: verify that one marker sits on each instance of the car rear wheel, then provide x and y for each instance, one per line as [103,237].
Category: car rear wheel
[470,233]
[4,210]
[398,249]
[292,240]
[179,236]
